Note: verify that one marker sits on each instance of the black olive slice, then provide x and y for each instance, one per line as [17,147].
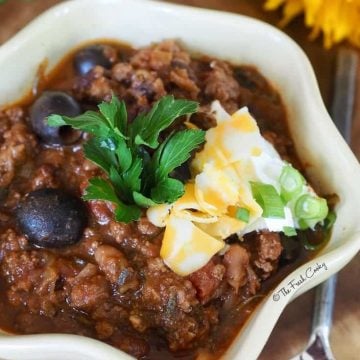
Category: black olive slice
[51,218]
[54,102]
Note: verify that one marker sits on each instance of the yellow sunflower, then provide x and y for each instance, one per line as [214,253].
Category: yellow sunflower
[338,20]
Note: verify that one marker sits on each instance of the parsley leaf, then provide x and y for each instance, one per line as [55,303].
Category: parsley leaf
[124,155]
[101,151]
[127,213]
[167,190]
[136,165]
[177,150]
[121,185]
[90,122]
[100,189]
[115,114]
[142,200]
[146,128]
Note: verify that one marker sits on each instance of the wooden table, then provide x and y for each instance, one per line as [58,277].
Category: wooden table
[292,331]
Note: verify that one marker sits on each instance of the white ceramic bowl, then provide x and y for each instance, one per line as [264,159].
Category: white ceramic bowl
[241,40]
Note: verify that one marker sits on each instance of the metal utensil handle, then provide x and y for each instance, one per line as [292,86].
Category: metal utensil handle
[344,94]
[323,306]
[342,114]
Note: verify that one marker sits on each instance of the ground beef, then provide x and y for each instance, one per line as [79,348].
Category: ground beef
[145,227]
[122,72]
[32,277]
[116,268]
[164,290]
[220,84]
[102,211]
[161,56]
[95,85]
[11,241]
[135,244]
[253,283]
[169,302]
[131,344]
[265,252]
[181,78]
[18,144]
[88,289]
[45,177]
[203,119]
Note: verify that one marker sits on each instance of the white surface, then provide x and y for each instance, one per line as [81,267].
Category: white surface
[231,37]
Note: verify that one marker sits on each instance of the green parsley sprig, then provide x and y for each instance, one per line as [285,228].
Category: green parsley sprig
[136,164]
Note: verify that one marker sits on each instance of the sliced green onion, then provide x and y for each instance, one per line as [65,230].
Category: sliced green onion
[291,182]
[330,220]
[303,225]
[242,214]
[289,231]
[310,207]
[269,200]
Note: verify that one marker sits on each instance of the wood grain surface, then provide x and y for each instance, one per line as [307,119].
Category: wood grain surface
[291,332]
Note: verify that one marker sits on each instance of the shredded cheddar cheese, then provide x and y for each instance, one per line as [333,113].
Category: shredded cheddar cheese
[196,225]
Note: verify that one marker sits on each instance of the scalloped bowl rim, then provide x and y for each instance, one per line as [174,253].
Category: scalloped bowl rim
[331,164]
